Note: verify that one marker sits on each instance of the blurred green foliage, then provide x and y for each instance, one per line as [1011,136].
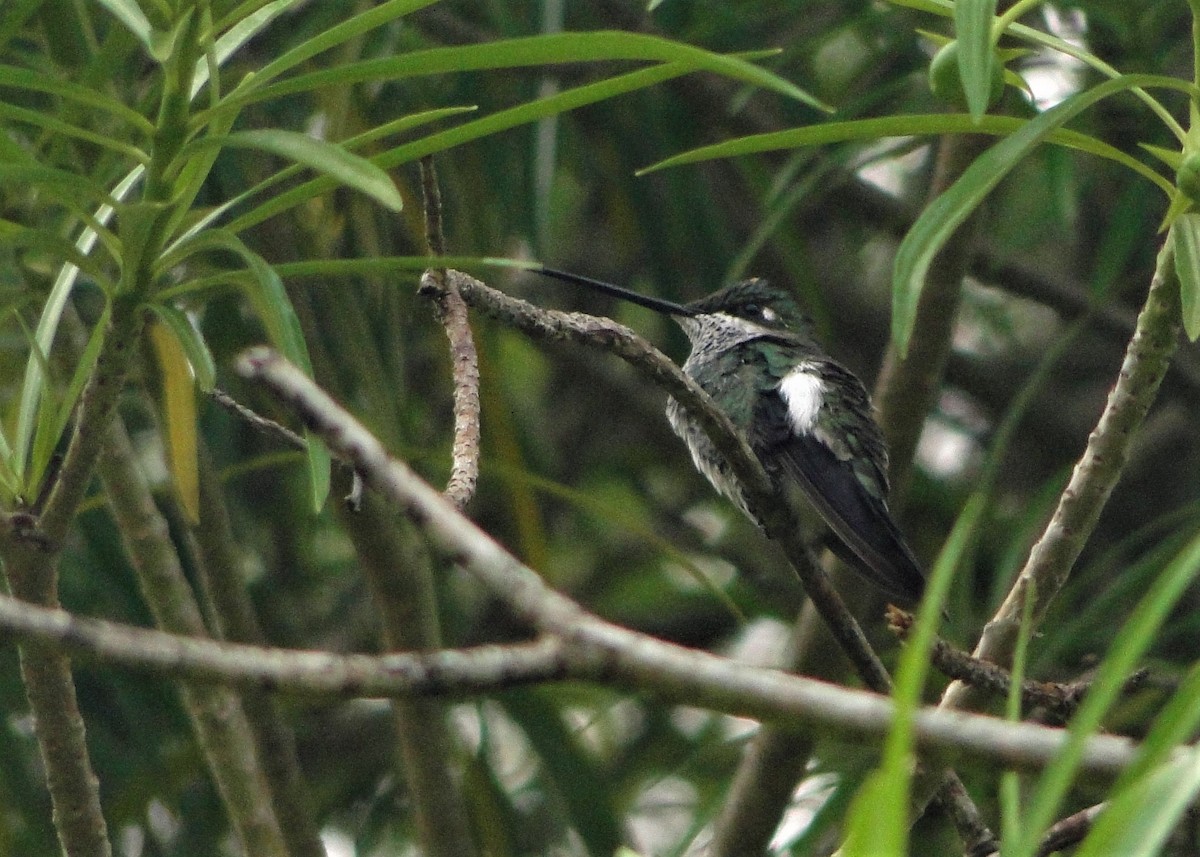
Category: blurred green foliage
[581,477]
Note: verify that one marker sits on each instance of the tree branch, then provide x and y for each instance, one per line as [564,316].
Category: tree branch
[451,312]
[610,337]
[597,652]
[1052,558]
[1060,699]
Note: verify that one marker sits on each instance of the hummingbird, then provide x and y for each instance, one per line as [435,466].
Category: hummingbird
[807,418]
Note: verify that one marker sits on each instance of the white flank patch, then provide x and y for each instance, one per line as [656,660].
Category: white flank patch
[803,392]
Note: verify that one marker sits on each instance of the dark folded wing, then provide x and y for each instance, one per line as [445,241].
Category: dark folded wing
[830,472]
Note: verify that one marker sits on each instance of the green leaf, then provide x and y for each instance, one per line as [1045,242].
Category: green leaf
[501,121]
[44,119]
[946,213]
[1173,158]
[1135,637]
[336,35]
[945,8]
[274,308]
[21,78]
[1138,821]
[130,14]
[601,46]
[15,236]
[192,343]
[973,26]
[237,35]
[882,805]
[396,126]
[1185,232]
[82,188]
[35,378]
[328,158]
[179,417]
[1175,724]
[877,823]
[56,413]
[902,126]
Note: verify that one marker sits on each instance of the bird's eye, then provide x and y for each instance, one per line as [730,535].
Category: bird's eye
[753,309]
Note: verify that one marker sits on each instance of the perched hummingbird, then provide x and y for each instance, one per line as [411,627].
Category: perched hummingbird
[806,417]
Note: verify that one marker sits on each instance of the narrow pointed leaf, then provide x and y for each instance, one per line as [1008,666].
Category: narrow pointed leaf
[877,823]
[13,235]
[338,34]
[501,121]
[901,126]
[1138,821]
[54,410]
[1136,637]
[328,158]
[192,343]
[973,26]
[35,378]
[48,121]
[1173,158]
[134,19]
[236,36]
[179,417]
[21,78]
[601,46]
[270,301]
[35,175]
[396,126]
[1185,232]
[946,213]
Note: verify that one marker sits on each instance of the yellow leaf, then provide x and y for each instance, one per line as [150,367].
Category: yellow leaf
[179,417]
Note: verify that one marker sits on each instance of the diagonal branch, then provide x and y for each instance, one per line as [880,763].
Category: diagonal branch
[1050,562]
[614,653]
[613,338]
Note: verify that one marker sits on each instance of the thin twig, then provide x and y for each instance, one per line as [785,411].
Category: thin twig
[451,313]
[1059,698]
[1070,830]
[256,420]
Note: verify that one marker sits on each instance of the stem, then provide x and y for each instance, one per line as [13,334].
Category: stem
[1146,360]
[216,714]
[398,571]
[1195,6]
[218,561]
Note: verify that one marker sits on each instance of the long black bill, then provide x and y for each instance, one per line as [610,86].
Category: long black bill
[656,304]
